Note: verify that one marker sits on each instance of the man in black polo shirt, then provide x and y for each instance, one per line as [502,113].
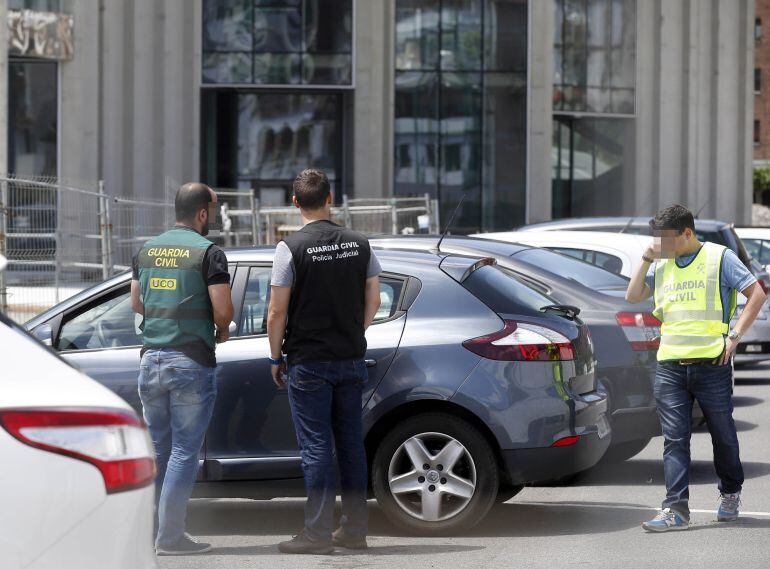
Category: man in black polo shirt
[324,295]
[181,287]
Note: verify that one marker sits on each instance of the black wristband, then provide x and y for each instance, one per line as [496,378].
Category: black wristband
[646,259]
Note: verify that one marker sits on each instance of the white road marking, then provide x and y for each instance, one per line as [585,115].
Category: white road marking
[624,507]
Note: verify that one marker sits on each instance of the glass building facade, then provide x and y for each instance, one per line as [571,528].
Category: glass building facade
[594,102]
[276,78]
[461,107]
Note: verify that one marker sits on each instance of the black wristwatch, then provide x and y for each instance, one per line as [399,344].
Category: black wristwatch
[274,361]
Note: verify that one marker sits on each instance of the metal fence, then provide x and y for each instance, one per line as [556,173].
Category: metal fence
[62,236]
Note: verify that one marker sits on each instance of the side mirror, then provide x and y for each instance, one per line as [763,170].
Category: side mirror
[44,333]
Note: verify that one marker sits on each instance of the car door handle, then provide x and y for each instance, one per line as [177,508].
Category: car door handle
[370,362]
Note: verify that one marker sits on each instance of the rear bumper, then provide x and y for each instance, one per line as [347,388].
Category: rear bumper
[631,424]
[534,464]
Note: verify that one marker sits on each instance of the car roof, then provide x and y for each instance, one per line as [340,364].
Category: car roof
[704,224]
[608,239]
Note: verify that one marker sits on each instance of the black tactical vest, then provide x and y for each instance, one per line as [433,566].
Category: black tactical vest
[326,310]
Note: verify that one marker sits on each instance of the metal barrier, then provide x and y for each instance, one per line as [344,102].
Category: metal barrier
[61,237]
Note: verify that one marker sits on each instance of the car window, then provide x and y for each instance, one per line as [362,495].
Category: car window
[110,323]
[584,273]
[390,293]
[255,301]
[604,261]
[753,248]
[764,256]
[501,291]
[576,253]
[257,298]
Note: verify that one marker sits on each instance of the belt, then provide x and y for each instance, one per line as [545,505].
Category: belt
[697,361]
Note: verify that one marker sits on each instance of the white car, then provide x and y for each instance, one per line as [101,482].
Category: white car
[78,466]
[621,253]
[757,243]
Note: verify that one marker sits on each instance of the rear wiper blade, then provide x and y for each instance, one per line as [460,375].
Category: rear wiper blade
[567,309]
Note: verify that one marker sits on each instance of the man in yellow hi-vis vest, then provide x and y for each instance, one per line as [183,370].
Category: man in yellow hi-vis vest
[694,292]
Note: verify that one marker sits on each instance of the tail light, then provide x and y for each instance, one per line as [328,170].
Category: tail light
[567,441]
[642,330]
[764,286]
[114,441]
[519,341]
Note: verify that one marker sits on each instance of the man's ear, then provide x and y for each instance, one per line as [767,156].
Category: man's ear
[330,199]
[294,201]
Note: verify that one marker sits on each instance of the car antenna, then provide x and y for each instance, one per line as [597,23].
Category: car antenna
[701,208]
[627,225]
[449,224]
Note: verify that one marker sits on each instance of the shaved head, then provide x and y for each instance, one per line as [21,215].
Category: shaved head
[191,198]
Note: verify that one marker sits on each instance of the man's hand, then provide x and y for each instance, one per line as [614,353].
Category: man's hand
[222,335]
[730,346]
[653,250]
[278,372]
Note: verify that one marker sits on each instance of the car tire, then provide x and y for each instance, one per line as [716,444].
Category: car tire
[505,493]
[461,495]
[623,451]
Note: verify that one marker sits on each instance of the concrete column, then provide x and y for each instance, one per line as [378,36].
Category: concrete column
[540,112]
[373,100]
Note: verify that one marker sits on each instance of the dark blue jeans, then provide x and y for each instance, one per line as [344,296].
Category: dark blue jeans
[325,400]
[676,387]
[178,396]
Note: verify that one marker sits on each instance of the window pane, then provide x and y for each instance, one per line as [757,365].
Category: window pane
[460,148]
[110,324]
[417,43]
[595,55]
[505,35]
[226,25]
[280,134]
[501,291]
[505,149]
[227,68]
[32,118]
[277,30]
[276,68]
[326,69]
[461,34]
[416,132]
[37,5]
[328,26]
[253,319]
[390,293]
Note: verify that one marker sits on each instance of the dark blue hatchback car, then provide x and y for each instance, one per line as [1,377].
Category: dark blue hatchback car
[478,384]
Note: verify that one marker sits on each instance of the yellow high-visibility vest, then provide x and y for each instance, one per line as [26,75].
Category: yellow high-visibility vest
[689,305]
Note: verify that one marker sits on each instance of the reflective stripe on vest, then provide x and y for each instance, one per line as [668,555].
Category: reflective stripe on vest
[688,302]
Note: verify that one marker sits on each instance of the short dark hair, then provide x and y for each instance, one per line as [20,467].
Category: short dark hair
[190,199]
[676,217]
[311,188]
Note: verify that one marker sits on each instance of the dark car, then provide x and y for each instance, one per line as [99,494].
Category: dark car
[478,384]
[625,335]
[713,230]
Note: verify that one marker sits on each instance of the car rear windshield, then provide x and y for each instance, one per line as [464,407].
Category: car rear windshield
[501,291]
[571,268]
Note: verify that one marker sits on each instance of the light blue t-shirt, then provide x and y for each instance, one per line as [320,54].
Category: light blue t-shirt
[735,275]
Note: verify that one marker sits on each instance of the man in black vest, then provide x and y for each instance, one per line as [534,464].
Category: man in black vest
[324,295]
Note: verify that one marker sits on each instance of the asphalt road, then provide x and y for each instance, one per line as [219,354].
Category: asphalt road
[594,522]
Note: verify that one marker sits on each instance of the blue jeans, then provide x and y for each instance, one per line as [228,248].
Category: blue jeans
[325,401]
[676,386]
[178,396]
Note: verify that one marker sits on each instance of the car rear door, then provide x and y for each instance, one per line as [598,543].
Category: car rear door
[251,435]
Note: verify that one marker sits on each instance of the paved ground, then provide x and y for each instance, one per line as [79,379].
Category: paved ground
[592,523]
